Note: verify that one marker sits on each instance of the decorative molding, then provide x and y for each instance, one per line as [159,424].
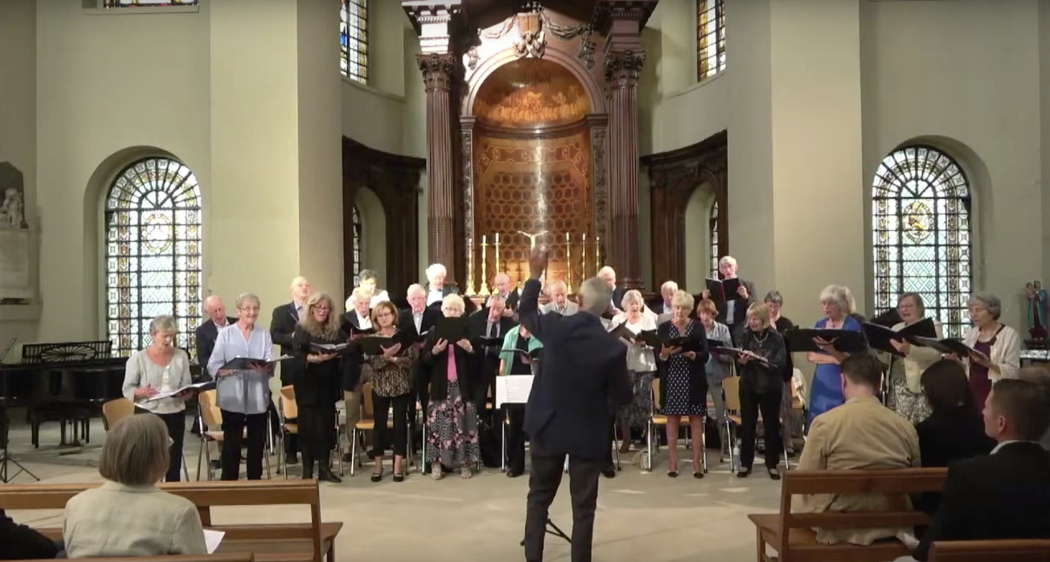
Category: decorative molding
[437,69]
[622,68]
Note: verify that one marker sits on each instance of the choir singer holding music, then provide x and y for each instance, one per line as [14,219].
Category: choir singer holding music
[582,378]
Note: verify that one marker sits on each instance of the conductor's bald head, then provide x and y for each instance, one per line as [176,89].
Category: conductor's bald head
[595,295]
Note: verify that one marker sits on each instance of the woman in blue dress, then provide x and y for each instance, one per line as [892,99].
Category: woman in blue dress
[826,391]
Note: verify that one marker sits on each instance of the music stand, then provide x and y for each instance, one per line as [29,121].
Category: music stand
[552,529]
[5,456]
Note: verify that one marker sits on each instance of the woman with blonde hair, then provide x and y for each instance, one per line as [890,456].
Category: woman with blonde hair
[390,373]
[837,303]
[683,380]
[761,384]
[128,515]
[319,386]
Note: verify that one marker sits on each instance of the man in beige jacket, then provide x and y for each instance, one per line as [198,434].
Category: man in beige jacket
[860,434]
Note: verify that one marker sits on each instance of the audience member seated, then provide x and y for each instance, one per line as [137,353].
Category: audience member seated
[859,434]
[319,386]
[1039,374]
[954,429]
[998,346]
[21,542]
[369,281]
[1006,494]
[558,292]
[390,373]
[128,515]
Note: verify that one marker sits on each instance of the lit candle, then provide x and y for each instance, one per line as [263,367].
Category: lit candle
[568,259]
[583,253]
[484,291]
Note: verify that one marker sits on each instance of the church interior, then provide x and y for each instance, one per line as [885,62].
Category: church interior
[887,146]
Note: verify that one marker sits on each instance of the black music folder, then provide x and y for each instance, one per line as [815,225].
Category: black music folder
[888,319]
[879,336]
[248,363]
[947,345]
[328,348]
[685,342]
[736,353]
[452,329]
[372,345]
[846,341]
[723,289]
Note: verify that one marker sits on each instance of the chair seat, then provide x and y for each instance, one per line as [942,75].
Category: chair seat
[804,543]
[291,427]
[735,419]
[213,435]
[661,419]
[369,425]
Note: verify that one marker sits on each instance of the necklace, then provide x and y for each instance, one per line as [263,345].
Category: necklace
[761,340]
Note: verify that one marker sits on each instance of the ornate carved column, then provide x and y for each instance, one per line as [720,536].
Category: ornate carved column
[437,77]
[624,57]
[466,128]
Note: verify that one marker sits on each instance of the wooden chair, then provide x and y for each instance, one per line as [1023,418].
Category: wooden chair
[731,388]
[116,410]
[659,419]
[269,542]
[1003,550]
[366,423]
[791,534]
[210,416]
[288,410]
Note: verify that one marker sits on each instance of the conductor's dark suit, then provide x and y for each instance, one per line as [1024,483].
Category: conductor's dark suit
[1005,495]
[582,377]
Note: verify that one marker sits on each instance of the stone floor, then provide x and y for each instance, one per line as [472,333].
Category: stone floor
[641,516]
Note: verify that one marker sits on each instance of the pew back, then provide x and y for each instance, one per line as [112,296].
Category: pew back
[1004,550]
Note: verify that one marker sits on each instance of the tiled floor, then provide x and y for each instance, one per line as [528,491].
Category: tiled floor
[641,516]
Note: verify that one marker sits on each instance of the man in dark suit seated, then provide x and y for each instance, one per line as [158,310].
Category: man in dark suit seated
[209,330]
[582,378]
[282,327]
[1005,494]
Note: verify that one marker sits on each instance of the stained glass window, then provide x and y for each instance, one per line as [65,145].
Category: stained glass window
[710,38]
[144,3]
[921,233]
[153,252]
[356,266]
[353,39]
[713,229]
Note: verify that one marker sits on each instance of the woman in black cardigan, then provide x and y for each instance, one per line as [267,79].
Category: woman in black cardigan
[452,421]
[683,381]
[761,385]
[318,387]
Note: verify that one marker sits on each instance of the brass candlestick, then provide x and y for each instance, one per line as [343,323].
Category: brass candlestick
[597,253]
[470,266]
[484,276]
[583,255]
[495,266]
[568,259]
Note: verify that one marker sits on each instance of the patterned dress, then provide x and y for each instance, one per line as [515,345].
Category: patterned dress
[452,426]
[676,381]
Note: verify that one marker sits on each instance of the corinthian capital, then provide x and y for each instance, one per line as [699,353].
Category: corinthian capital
[437,70]
[623,67]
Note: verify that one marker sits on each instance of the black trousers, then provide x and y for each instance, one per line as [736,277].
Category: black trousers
[750,404]
[515,437]
[381,435]
[543,486]
[421,384]
[176,424]
[316,436]
[233,424]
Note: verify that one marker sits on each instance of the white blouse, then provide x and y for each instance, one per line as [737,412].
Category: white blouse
[1006,353]
[640,358]
[141,371]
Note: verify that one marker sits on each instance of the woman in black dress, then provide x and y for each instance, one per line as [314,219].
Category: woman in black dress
[319,386]
[683,380]
[761,385]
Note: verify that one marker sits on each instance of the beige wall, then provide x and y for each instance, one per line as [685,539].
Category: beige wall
[926,76]
[18,138]
[1044,118]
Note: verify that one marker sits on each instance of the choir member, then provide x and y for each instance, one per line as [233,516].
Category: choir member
[390,373]
[355,322]
[503,287]
[368,280]
[243,395]
[718,365]
[683,381]
[488,323]
[282,327]
[998,346]
[437,289]
[641,366]
[517,357]
[205,334]
[451,415]
[662,307]
[608,274]
[558,293]
[761,384]
[417,321]
[318,388]
[906,396]
[161,368]
[733,309]
[791,425]
[836,301]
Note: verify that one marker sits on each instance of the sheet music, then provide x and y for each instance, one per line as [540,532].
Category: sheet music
[513,389]
[212,539]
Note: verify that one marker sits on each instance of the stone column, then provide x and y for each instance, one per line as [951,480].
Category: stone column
[621,72]
[438,70]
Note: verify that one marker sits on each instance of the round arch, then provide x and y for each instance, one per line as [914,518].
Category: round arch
[477,78]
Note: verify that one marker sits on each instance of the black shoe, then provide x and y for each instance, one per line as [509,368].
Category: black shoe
[327,476]
[377,476]
[399,477]
[672,474]
[698,474]
[609,471]
[291,459]
[743,473]
[514,473]
[774,473]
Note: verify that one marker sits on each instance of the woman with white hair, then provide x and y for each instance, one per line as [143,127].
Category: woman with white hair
[436,290]
[837,303]
[161,367]
[998,346]
[452,420]
[128,515]
[641,366]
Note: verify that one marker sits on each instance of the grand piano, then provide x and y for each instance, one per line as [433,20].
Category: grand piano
[65,382]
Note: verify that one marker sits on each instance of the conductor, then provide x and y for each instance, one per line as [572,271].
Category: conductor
[582,377]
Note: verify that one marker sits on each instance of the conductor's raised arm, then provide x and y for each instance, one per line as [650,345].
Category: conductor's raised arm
[528,304]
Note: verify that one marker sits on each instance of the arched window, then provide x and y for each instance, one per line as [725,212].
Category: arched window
[357,246]
[713,230]
[153,252]
[921,233]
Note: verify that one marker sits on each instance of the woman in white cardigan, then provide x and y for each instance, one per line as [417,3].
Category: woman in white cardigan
[907,397]
[998,346]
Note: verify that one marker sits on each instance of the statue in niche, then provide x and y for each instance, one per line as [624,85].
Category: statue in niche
[1036,309]
[11,211]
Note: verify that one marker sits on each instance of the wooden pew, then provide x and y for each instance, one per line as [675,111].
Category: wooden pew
[791,535]
[1003,550]
[234,557]
[269,542]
